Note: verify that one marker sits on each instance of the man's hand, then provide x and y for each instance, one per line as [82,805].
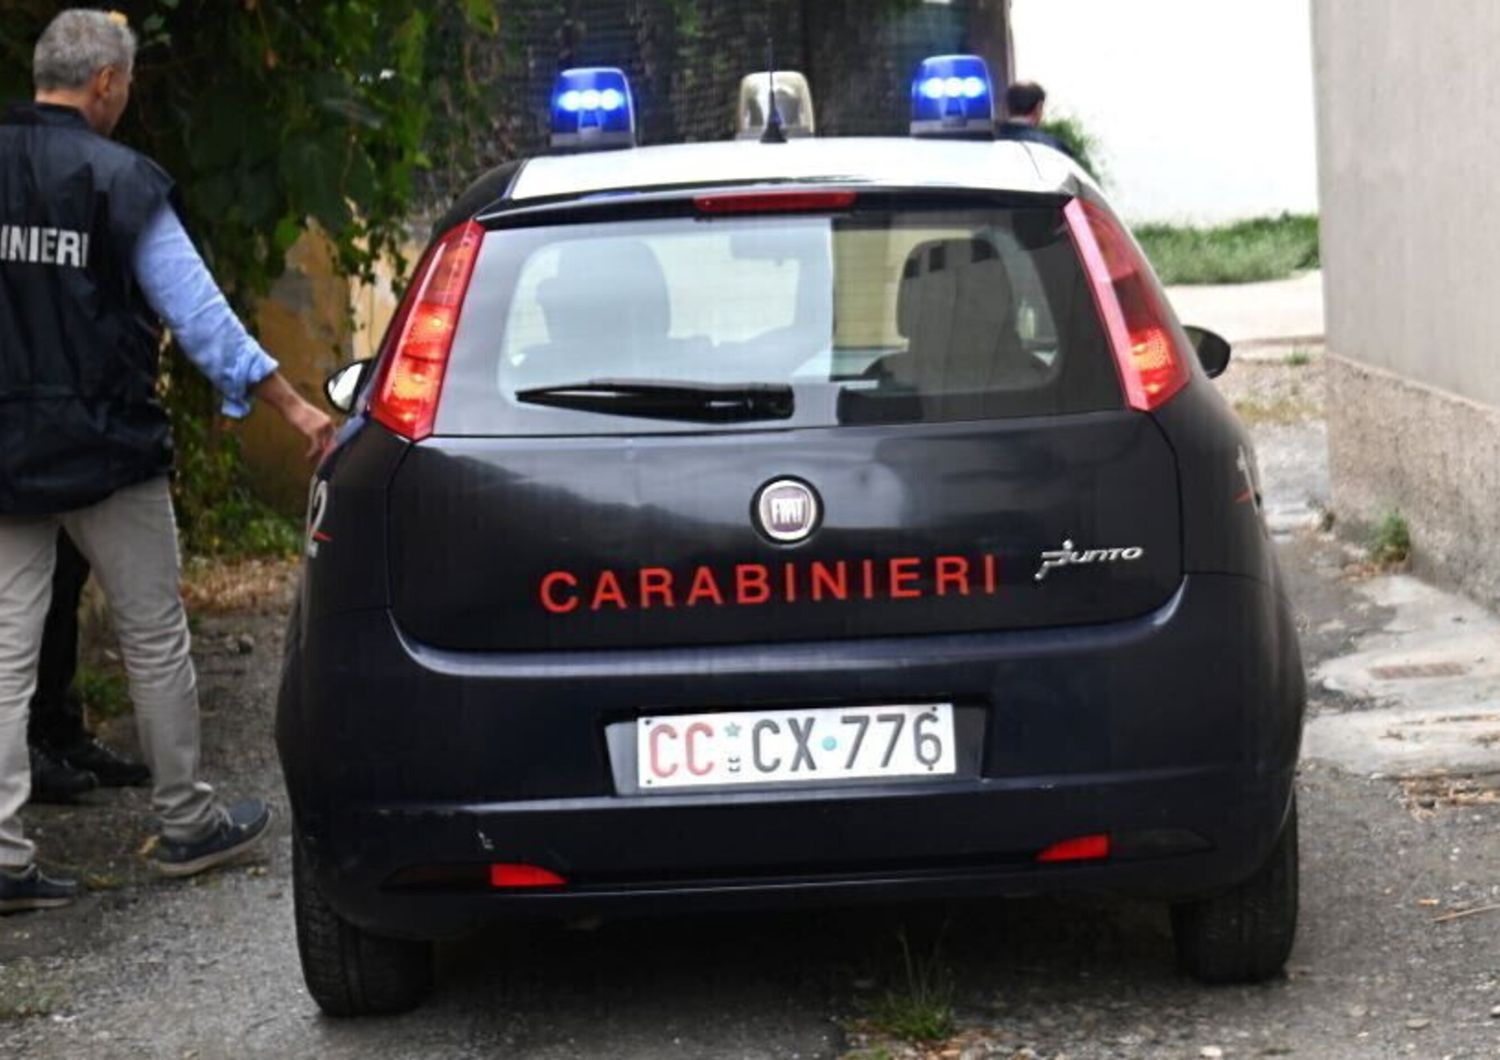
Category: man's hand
[311,422]
[315,425]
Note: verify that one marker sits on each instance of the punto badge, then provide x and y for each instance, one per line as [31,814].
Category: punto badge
[1068,556]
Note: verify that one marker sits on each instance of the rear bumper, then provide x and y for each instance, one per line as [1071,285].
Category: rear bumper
[649,855]
[1176,733]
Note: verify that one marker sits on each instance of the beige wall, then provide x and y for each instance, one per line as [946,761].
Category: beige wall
[1409,154]
[305,324]
[313,321]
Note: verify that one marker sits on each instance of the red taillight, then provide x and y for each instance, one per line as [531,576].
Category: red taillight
[775,202]
[421,335]
[1083,848]
[1153,363]
[511,875]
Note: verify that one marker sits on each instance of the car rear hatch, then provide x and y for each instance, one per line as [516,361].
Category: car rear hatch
[752,416]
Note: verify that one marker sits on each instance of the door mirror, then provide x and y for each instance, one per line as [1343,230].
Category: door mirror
[1213,350]
[344,385]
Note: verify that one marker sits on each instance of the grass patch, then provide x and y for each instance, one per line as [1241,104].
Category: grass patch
[1079,141]
[214,585]
[1298,359]
[1390,540]
[1266,248]
[217,513]
[104,692]
[1287,408]
[922,1011]
[24,995]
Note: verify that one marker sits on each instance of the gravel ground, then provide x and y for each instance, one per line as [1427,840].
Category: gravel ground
[209,969]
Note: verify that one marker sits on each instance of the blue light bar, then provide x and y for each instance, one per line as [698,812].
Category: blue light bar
[592,109]
[952,96]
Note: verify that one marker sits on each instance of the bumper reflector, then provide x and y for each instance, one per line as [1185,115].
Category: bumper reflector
[1083,848]
[510,876]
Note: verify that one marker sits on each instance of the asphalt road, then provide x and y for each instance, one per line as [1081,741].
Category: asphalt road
[208,968]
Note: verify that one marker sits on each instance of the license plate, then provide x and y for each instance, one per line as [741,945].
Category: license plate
[817,745]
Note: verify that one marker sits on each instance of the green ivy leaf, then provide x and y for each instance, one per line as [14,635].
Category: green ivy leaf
[311,169]
[256,194]
[288,231]
[482,14]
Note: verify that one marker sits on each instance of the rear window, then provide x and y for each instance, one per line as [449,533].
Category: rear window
[877,316]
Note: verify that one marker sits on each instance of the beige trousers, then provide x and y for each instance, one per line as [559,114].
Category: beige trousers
[130,539]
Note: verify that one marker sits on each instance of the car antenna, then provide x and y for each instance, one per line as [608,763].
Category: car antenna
[774,133]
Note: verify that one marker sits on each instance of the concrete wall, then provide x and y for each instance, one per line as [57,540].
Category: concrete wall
[1409,141]
[1409,127]
[1203,108]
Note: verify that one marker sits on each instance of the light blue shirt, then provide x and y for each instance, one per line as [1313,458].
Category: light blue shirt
[180,288]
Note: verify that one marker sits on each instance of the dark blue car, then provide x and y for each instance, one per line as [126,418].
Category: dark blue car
[752,523]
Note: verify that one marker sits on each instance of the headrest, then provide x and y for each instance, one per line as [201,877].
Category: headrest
[939,271]
[607,286]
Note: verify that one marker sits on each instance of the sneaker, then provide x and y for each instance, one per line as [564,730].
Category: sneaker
[33,889]
[243,826]
[54,781]
[113,770]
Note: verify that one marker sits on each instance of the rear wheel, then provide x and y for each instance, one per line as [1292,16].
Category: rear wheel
[349,971]
[1243,935]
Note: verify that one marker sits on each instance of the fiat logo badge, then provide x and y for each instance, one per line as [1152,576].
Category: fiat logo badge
[786,510]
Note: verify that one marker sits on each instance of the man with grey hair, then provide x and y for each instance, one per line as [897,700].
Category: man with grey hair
[93,261]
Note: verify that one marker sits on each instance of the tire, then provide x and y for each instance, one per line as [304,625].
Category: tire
[1243,935]
[349,971]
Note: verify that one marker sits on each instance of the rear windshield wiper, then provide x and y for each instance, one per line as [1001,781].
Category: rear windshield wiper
[694,402]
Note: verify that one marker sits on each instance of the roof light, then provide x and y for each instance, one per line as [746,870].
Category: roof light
[414,357]
[1151,351]
[592,109]
[793,102]
[952,96]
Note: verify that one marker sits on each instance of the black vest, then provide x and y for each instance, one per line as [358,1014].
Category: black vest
[79,344]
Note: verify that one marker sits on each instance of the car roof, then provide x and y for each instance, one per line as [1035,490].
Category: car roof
[1001,165]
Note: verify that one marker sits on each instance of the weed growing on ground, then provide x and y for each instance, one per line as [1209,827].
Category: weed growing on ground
[1267,248]
[923,1010]
[1390,541]
[104,692]
[218,584]
[24,995]
[1298,358]
[1288,408]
